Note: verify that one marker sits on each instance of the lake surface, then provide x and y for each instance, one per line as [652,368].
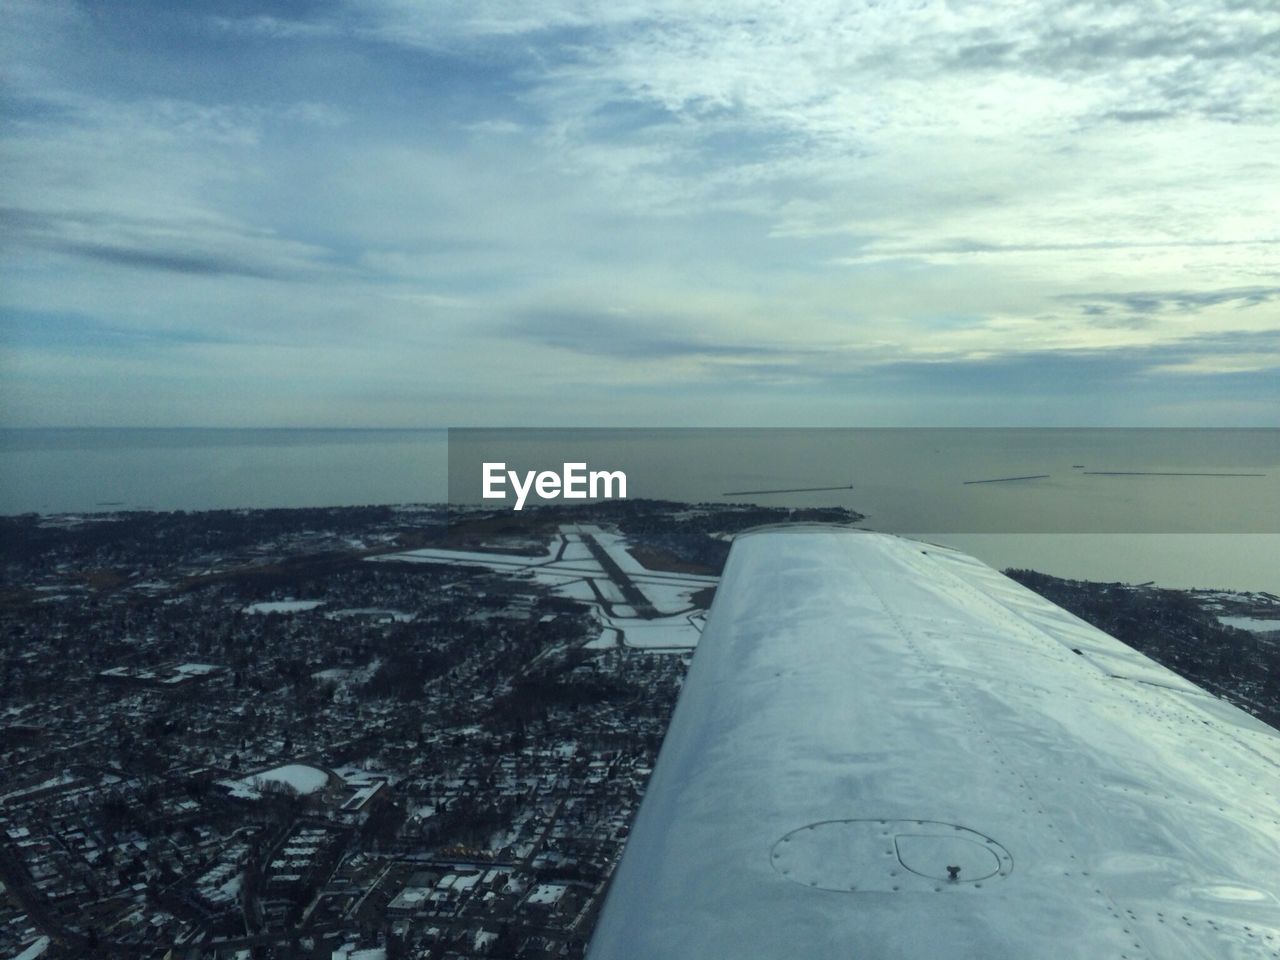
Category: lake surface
[1089,516]
[60,471]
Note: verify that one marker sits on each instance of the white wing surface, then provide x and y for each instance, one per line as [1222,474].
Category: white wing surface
[885,749]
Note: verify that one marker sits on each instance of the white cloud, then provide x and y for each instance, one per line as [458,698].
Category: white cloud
[822,189]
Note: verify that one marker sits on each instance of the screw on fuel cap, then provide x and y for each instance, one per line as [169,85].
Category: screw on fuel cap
[888,856]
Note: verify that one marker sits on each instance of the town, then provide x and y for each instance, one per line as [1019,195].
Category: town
[347,733]
[371,733]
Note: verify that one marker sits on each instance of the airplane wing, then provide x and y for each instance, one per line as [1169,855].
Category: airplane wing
[886,749]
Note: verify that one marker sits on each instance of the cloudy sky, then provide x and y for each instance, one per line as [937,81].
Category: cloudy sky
[435,213]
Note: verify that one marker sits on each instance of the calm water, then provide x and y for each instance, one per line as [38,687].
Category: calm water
[59,471]
[1178,531]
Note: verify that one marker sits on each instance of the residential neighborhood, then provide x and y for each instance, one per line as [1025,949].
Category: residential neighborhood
[373,733]
[346,733]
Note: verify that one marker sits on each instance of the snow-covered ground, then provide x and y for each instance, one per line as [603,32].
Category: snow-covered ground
[667,633]
[577,590]
[578,575]
[671,597]
[197,669]
[608,639]
[397,615]
[282,606]
[301,777]
[575,549]
[349,952]
[348,679]
[1253,624]
[36,949]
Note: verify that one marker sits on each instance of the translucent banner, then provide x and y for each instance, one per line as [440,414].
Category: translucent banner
[1011,480]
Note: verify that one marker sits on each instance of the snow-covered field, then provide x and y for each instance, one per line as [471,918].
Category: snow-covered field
[283,606]
[607,640]
[577,590]
[667,633]
[1253,624]
[578,576]
[575,550]
[301,777]
[672,597]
